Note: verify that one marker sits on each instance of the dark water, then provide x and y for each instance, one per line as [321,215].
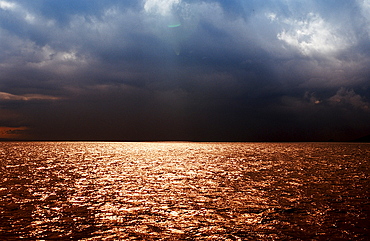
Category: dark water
[184,191]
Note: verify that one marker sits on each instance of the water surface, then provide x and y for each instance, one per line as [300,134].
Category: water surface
[184,191]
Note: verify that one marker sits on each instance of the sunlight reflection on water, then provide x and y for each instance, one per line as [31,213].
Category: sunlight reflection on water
[195,191]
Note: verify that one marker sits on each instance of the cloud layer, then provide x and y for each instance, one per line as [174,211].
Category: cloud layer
[189,70]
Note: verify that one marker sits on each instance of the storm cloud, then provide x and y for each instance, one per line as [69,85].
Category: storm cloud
[185,70]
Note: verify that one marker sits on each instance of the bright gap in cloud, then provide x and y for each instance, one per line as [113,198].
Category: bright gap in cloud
[162,7]
[312,35]
[18,9]
[7,5]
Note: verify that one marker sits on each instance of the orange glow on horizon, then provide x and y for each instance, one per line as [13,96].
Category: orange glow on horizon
[12,132]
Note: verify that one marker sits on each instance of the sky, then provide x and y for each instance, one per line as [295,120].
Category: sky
[206,70]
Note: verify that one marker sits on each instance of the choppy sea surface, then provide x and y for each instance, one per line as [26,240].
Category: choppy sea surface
[184,191]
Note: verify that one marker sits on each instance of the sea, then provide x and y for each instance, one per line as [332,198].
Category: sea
[184,191]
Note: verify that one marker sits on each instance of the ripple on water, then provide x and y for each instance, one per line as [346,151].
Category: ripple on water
[196,191]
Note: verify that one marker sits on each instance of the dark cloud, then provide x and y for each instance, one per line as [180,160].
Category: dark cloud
[190,70]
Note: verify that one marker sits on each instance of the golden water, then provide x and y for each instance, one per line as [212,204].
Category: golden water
[184,191]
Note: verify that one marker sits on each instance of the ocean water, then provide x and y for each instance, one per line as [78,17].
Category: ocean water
[184,191]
